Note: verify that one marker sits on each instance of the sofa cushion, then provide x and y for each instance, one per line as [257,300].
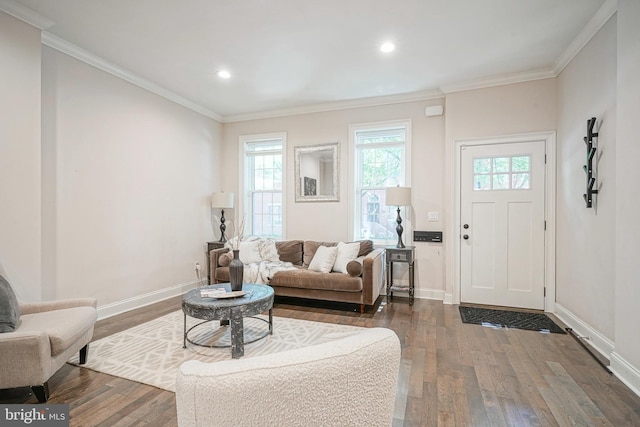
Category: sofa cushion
[346,252]
[305,279]
[250,252]
[310,247]
[268,250]
[290,251]
[9,308]
[64,327]
[366,247]
[324,259]
[225,259]
[354,267]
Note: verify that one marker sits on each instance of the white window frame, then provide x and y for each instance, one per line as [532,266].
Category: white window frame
[354,206]
[244,206]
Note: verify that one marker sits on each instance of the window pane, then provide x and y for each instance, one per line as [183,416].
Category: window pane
[521,163]
[482,182]
[377,220]
[501,164]
[381,167]
[381,136]
[264,170]
[501,181]
[520,181]
[481,165]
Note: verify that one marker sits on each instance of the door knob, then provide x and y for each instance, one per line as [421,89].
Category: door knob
[465,237]
[465,226]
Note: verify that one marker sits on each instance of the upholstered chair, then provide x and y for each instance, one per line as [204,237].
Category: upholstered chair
[347,382]
[36,339]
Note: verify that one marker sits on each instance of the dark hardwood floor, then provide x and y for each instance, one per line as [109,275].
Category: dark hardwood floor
[451,374]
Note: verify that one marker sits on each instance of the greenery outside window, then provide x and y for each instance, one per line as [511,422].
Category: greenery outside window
[380,153]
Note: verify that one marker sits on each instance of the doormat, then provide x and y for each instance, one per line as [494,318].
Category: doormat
[509,319]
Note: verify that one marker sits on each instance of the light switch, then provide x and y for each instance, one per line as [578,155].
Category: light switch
[433,216]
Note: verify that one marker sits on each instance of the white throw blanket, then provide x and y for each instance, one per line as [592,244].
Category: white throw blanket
[261,272]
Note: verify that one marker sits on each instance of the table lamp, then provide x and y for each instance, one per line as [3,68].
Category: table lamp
[222,201]
[398,196]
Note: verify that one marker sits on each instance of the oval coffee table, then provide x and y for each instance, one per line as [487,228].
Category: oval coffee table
[259,298]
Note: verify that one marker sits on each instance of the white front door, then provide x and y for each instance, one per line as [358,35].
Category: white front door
[502,218]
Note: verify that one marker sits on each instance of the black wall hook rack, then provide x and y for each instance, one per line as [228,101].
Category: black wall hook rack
[588,168]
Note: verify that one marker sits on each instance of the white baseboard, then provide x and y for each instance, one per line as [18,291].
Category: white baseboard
[626,372]
[447,299]
[119,307]
[623,370]
[429,294]
[595,339]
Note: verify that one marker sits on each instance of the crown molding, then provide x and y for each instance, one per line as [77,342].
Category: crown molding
[338,105]
[606,11]
[25,14]
[71,49]
[499,80]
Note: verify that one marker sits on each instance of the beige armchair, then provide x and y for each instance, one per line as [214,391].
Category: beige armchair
[46,336]
[347,382]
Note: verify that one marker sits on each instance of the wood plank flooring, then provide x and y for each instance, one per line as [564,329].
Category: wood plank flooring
[451,374]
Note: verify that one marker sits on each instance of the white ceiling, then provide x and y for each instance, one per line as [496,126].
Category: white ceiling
[292,55]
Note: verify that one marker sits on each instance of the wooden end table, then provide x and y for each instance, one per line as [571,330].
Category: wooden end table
[405,255]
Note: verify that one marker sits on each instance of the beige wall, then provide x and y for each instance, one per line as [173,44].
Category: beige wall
[585,237]
[20,186]
[502,110]
[330,221]
[133,173]
[626,359]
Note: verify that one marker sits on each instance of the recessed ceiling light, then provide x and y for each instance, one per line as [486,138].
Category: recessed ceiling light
[224,74]
[387,47]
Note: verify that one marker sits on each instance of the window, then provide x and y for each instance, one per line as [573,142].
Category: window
[380,160]
[263,161]
[502,173]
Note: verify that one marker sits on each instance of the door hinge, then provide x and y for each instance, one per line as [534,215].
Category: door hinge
[545,225]
[545,159]
[544,292]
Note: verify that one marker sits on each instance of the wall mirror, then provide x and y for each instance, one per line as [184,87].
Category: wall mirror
[317,177]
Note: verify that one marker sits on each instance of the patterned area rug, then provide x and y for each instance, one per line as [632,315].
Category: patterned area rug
[152,352]
[509,319]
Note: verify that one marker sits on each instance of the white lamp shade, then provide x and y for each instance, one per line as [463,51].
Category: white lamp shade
[222,200]
[398,196]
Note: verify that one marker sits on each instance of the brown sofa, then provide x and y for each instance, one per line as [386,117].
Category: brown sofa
[361,285]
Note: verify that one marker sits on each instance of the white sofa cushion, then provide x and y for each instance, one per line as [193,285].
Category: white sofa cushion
[324,259]
[346,252]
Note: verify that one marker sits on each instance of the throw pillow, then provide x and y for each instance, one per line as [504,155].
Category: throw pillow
[323,259]
[346,252]
[268,250]
[9,308]
[250,252]
[225,259]
[354,268]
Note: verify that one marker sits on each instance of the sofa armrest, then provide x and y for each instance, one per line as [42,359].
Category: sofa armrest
[214,262]
[25,358]
[373,276]
[40,307]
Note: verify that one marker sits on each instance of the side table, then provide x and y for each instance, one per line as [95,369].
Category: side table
[211,246]
[406,255]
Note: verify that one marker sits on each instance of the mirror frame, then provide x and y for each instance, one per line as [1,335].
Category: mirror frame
[335,149]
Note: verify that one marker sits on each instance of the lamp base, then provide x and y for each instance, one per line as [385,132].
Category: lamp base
[223,227]
[399,229]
